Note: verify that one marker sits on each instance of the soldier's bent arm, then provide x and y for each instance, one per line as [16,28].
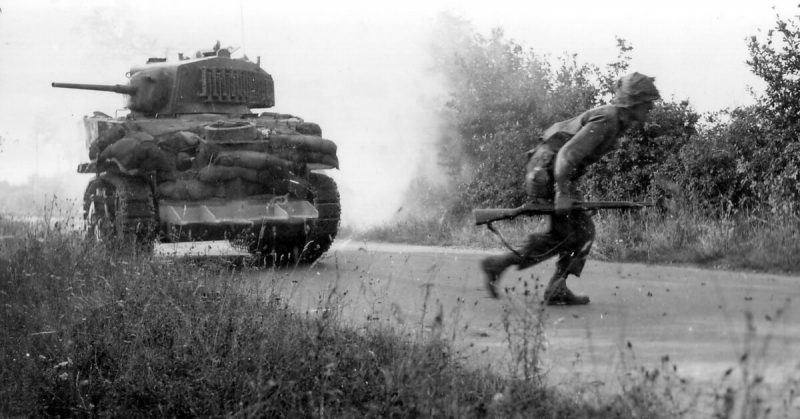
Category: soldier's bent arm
[595,139]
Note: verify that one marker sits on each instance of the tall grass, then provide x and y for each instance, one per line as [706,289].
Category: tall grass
[768,242]
[763,242]
[91,330]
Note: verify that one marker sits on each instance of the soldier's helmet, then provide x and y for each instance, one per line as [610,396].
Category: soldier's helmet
[633,89]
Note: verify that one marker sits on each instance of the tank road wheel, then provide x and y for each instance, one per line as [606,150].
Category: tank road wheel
[323,230]
[120,208]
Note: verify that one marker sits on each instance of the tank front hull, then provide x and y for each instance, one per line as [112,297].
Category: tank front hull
[252,218]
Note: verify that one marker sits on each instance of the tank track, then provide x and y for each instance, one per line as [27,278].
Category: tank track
[118,207]
[324,229]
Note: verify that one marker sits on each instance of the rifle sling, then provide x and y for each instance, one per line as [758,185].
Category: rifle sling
[502,239]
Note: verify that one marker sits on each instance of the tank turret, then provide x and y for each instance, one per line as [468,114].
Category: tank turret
[215,84]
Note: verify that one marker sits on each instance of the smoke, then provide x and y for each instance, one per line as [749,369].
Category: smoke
[370,89]
[360,71]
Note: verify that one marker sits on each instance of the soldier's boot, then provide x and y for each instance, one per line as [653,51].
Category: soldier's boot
[493,267]
[557,293]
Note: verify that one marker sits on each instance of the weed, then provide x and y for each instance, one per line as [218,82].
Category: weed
[763,242]
[753,397]
[523,323]
[90,330]
[101,330]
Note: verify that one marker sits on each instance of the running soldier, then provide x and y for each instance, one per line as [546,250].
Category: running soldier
[566,149]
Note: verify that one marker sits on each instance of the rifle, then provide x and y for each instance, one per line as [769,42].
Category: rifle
[487,216]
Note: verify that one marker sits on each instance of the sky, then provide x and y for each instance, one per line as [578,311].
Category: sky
[359,68]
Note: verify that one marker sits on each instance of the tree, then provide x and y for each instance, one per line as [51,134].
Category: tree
[776,60]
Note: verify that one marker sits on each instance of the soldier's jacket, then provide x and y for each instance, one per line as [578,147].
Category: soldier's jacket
[568,148]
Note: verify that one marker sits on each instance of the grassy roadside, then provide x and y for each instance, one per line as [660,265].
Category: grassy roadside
[768,242]
[91,331]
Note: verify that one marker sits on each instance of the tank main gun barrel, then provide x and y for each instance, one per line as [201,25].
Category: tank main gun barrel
[116,88]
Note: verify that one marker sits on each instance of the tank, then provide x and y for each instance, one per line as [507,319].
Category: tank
[192,160]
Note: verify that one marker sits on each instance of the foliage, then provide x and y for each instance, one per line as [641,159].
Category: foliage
[501,98]
[776,60]
[646,155]
[503,95]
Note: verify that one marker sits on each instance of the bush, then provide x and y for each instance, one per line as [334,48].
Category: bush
[501,96]
[633,170]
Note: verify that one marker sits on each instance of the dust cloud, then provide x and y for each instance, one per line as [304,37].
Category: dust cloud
[361,71]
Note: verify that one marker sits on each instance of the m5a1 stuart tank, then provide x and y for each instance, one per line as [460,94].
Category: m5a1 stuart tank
[192,161]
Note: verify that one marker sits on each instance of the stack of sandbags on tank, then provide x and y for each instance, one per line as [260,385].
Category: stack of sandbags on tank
[107,137]
[279,122]
[185,146]
[247,171]
[187,186]
[224,173]
[188,167]
[170,156]
[137,153]
[307,149]
[134,151]
[182,146]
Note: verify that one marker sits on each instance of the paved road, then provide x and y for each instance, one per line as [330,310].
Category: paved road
[695,317]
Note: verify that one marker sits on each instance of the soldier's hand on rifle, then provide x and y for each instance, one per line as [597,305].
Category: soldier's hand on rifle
[564,202]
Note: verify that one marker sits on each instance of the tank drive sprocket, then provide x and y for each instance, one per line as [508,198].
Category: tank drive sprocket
[118,207]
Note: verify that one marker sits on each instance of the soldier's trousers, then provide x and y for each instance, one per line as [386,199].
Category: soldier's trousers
[570,235]
[570,238]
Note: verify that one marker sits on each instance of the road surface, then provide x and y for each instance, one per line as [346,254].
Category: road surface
[640,315]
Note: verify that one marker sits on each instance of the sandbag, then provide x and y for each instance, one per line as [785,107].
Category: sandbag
[251,160]
[238,188]
[330,160]
[303,142]
[182,141]
[183,161]
[290,154]
[214,173]
[276,115]
[260,146]
[187,190]
[309,128]
[231,189]
[108,137]
[206,152]
[273,185]
[322,158]
[138,153]
[304,156]
[254,188]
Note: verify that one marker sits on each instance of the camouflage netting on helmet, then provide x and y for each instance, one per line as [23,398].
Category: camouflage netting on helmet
[223,159]
[635,88]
